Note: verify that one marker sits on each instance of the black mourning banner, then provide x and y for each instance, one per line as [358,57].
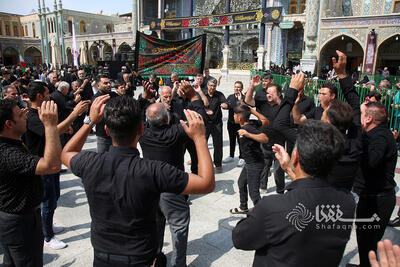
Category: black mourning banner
[163,57]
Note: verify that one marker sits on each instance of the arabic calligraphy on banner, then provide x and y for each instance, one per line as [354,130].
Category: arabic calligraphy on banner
[162,57]
[270,14]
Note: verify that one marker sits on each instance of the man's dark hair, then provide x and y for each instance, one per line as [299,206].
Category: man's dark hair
[375,94]
[377,111]
[6,111]
[100,76]
[244,111]
[267,76]
[278,88]
[239,82]
[199,74]
[319,145]
[212,81]
[123,117]
[340,114]
[332,88]
[36,87]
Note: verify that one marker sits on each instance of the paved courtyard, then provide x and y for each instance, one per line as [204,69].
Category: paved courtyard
[210,242]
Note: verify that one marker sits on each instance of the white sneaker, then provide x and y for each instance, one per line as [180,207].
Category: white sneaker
[54,243]
[240,163]
[227,160]
[57,229]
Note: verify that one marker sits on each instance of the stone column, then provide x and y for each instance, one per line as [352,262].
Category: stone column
[226,50]
[45,33]
[309,59]
[261,43]
[41,32]
[268,28]
[134,19]
[62,31]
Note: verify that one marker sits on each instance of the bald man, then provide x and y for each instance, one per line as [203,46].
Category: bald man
[174,109]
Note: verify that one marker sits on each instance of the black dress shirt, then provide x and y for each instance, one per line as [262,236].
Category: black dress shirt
[123,191]
[20,189]
[378,162]
[215,102]
[285,230]
[233,102]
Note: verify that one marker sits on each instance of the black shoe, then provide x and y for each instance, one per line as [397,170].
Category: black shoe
[395,222]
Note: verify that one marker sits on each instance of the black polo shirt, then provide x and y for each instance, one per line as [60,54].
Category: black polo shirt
[251,150]
[100,126]
[35,135]
[285,230]
[123,191]
[215,102]
[233,102]
[20,189]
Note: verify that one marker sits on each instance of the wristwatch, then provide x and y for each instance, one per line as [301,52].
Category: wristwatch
[88,121]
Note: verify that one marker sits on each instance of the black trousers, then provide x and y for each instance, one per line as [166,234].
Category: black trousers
[233,129]
[22,239]
[279,175]
[216,132]
[369,233]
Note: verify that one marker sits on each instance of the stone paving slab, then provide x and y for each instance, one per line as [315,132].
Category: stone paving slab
[210,242]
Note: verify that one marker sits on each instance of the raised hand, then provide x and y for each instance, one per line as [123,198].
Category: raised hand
[48,114]
[298,82]
[282,156]
[195,128]
[148,90]
[187,90]
[340,65]
[97,109]
[81,107]
[256,81]
[389,255]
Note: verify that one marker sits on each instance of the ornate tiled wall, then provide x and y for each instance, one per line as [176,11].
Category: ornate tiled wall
[367,7]
[388,7]
[358,34]
[356,6]
[347,8]
[377,7]
[384,33]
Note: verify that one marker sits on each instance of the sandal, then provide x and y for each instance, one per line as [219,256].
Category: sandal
[238,211]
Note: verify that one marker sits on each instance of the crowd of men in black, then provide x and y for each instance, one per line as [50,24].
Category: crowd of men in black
[341,157]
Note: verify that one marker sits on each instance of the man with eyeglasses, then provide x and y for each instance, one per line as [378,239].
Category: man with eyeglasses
[103,139]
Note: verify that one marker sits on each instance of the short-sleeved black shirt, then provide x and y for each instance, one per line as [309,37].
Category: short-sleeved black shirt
[215,105]
[123,191]
[20,189]
[251,150]
[34,136]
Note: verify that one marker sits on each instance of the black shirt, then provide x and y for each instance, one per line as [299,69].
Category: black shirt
[285,230]
[215,102]
[34,136]
[306,107]
[378,162]
[315,114]
[123,191]
[233,102]
[87,93]
[20,189]
[251,150]
[61,101]
[100,126]
[165,143]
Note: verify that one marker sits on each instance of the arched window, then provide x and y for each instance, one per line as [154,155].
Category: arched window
[297,6]
[26,30]
[33,29]
[109,28]
[82,26]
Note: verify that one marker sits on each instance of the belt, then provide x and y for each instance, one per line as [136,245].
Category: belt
[120,259]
